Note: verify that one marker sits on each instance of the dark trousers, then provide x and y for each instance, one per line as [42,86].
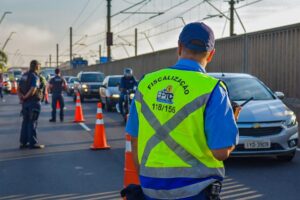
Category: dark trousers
[121,100]
[1,93]
[60,99]
[30,112]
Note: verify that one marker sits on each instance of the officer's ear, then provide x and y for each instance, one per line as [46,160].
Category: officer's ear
[179,49]
[211,55]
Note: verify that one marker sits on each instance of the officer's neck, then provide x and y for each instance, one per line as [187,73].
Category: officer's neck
[200,61]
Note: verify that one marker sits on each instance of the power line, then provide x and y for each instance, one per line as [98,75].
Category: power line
[147,2]
[91,14]
[181,14]
[81,12]
[150,18]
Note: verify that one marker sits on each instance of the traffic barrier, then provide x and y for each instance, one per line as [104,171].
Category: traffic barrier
[78,110]
[99,134]
[14,88]
[130,172]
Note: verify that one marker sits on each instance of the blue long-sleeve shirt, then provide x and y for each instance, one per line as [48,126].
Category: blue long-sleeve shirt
[220,128]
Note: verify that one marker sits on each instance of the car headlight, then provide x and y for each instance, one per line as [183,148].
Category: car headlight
[115,96]
[72,87]
[131,96]
[291,121]
[84,86]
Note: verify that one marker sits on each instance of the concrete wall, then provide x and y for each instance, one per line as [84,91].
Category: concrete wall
[271,55]
[141,64]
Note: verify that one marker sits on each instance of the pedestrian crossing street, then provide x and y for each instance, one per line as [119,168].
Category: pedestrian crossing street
[232,190]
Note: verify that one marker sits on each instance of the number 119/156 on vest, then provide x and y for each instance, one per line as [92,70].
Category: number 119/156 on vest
[162,107]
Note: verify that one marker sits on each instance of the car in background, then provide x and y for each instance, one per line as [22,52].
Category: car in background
[88,85]
[109,91]
[6,83]
[48,73]
[71,86]
[266,125]
[67,78]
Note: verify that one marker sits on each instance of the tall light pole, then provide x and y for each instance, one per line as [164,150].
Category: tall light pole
[9,37]
[4,14]
[109,35]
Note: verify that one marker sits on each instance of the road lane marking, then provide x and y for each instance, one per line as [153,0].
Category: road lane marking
[235,190]
[232,189]
[95,196]
[237,195]
[250,197]
[84,126]
[9,197]
[33,196]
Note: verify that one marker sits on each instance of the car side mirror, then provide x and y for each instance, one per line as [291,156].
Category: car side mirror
[280,95]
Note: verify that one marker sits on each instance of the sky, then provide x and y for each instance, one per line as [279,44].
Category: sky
[41,24]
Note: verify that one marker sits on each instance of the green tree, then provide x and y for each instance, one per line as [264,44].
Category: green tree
[3,61]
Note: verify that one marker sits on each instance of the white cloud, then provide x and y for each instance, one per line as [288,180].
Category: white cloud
[29,40]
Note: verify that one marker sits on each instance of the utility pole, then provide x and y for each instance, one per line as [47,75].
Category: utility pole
[50,60]
[109,35]
[100,51]
[135,41]
[57,55]
[4,14]
[7,40]
[71,45]
[231,10]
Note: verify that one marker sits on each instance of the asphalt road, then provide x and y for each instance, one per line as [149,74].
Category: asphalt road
[67,169]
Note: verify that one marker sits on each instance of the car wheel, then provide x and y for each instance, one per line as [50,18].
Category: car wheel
[286,158]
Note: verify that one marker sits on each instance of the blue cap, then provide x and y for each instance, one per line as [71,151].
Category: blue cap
[198,37]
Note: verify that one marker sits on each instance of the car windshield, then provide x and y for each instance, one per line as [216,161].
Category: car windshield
[241,89]
[72,80]
[17,73]
[114,81]
[92,77]
[67,78]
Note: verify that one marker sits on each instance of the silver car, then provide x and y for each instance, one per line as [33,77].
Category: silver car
[109,91]
[266,125]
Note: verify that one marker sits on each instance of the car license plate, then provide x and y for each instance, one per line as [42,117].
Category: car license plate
[257,145]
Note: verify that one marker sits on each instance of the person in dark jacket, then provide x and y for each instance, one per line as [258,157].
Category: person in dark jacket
[57,85]
[30,95]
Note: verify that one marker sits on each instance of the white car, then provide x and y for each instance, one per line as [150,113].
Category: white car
[109,91]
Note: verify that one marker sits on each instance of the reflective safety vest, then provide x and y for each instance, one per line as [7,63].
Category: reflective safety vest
[171,142]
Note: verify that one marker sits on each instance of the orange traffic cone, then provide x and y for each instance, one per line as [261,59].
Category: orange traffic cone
[78,110]
[57,105]
[130,173]
[14,88]
[99,135]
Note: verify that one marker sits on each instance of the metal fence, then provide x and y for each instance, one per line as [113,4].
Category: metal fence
[272,55]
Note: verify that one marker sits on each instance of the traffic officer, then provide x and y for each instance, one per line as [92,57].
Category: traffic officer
[57,84]
[182,124]
[30,95]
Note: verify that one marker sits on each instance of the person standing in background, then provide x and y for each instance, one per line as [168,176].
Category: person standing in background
[57,85]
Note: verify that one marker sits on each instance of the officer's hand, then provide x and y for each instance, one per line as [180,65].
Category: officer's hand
[236,109]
